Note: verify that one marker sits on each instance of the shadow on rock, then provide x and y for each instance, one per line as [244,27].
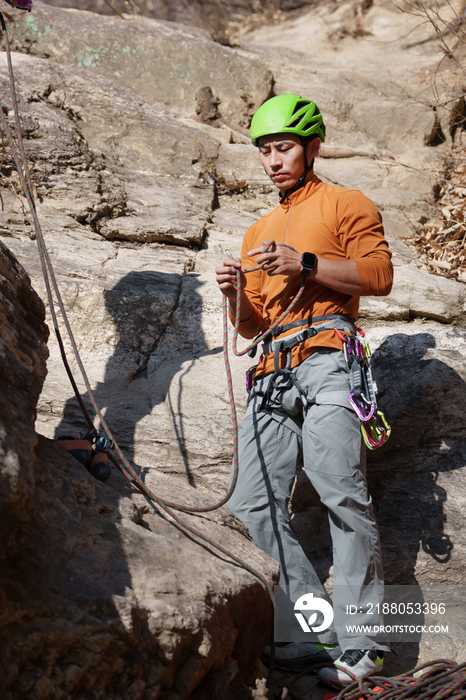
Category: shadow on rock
[414,479]
[424,399]
[157,317]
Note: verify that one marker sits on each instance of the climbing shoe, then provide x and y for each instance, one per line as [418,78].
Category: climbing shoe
[351,666]
[298,656]
[100,466]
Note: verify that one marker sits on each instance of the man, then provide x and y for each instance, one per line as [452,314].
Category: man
[332,239]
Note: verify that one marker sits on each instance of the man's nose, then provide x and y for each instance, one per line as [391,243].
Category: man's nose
[275,160]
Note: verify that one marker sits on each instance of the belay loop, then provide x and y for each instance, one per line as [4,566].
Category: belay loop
[363,389]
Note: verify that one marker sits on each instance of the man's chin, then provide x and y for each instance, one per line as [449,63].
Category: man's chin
[284,185]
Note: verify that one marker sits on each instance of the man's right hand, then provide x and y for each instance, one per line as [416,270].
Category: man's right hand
[226,277]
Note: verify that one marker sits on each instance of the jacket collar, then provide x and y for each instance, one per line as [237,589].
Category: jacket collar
[311,184]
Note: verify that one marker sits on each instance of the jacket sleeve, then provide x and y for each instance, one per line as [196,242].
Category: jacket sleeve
[362,236]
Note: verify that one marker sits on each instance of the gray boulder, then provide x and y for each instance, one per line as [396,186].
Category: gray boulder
[164,63]
[107,159]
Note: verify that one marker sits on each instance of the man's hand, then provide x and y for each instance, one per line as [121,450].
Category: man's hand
[278,260]
[341,275]
[226,277]
[226,280]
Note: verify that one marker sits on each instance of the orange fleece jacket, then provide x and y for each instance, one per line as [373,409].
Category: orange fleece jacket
[334,223]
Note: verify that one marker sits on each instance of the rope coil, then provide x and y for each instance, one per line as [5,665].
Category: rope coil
[443,679]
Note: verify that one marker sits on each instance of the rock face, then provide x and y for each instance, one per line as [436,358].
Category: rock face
[213,15]
[104,159]
[116,602]
[101,595]
[138,202]
[147,60]
[23,352]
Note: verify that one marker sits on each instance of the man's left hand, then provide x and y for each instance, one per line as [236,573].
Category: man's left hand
[278,260]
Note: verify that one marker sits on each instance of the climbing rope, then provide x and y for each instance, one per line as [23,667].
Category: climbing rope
[443,680]
[17,149]
[250,347]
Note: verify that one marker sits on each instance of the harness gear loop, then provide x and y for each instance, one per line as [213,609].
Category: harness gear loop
[363,395]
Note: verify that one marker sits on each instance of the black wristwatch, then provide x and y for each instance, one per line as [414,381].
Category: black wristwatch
[308,261]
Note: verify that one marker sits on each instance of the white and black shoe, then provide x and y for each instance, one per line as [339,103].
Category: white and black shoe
[351,666]
[298,656]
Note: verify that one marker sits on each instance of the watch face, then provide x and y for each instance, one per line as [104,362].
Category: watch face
[309,260]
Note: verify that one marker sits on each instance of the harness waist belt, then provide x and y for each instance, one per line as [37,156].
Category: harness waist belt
[310,321]
[343,323]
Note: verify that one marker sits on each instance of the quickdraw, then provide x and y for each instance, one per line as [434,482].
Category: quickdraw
[363,389]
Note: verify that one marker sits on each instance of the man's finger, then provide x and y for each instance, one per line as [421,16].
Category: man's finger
[268,259]
[255,251]
[232,262]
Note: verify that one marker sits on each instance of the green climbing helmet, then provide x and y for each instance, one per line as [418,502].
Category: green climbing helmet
[290,114]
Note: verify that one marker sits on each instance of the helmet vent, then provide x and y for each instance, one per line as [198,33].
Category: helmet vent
[300,105]
[293,125]
[302,119]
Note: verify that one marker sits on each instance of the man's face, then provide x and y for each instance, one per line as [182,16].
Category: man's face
[282,158]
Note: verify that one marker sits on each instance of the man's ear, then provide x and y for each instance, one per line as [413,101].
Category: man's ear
[313,148]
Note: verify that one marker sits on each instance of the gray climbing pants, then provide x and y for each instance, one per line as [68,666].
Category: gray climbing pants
[327,439]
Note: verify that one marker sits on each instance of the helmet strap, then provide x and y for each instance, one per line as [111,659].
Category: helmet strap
[302,180]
